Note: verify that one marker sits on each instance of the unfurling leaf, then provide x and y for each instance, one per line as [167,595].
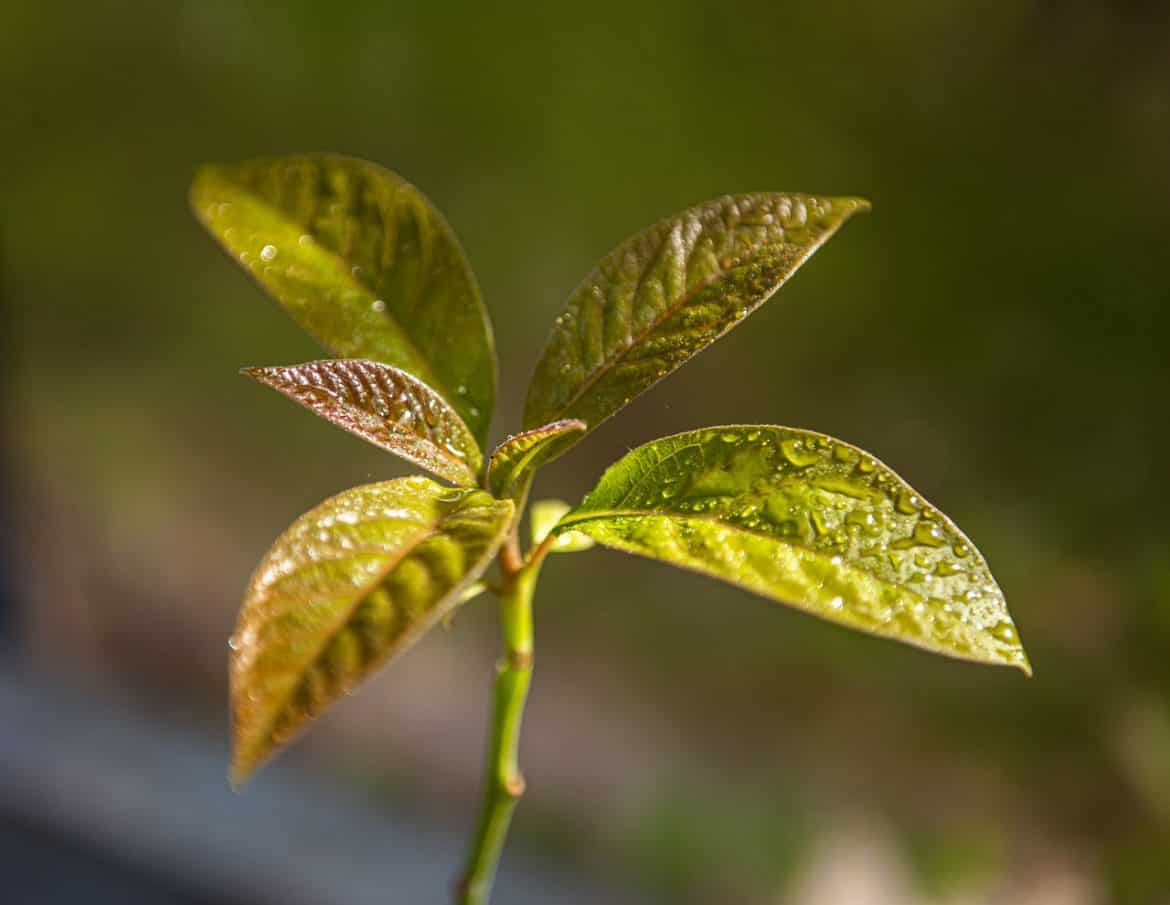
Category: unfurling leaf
[363,262]
[385,406]
[809,521]
[514,460]
[544,516]
[667,293]
[348,585]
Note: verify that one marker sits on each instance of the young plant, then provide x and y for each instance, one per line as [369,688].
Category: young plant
[365,264]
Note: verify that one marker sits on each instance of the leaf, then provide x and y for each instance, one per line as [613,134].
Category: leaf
[670,291]
[811,522]
[350,584]
[385,406]
[514,459]
[543,517]
[363,262]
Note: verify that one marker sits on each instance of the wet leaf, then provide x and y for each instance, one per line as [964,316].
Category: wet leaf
[349,585]
[513,461]
[811,522]
[363,262]
[665,294]
[385,406]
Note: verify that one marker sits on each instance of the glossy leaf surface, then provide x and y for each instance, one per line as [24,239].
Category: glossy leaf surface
[363,262]
[667,293]
[348,585]
[385,406]
[811,522]
[517,456]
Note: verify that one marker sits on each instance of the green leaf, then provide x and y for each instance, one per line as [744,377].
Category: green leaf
[513,461]
[350,584]
[665,294]
[363,262]
[811,522]
[543,517]
[385,406]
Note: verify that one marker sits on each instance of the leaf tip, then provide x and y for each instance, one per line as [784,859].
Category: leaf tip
[855,205]
[1023,664]
[239,773]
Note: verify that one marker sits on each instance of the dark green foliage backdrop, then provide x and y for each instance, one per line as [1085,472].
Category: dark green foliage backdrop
[996,329]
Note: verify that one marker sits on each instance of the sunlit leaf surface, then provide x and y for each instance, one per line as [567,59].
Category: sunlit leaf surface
[809,521]
[667,293]
[514,459]
[363,262]
[385,406]
[348,585]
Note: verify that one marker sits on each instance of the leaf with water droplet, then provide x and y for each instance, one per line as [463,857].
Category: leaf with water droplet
[513,461]
[350,584]
[385,406]
[670,291]
[363,262]
[783,513]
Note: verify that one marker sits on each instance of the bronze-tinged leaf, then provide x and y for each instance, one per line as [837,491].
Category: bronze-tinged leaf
[385,406]
[350,584]
[668,292]
[514,460]
[363,262]
[809,521]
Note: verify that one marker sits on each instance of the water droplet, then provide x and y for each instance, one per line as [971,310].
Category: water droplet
[233,643]
[928,533]
[907,503]
[305,240]
[843,454]
[866,465]
[268,252]
[1006,632]
[378,305]
[836,603]
[961,549]
[795,453]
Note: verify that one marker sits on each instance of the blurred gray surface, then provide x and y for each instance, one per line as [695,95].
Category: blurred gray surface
[107,788]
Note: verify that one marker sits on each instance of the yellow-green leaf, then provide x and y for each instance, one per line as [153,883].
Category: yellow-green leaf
[668,292]
[350,584]
[385,406]
[363,262]
[811,522]
[513,461]
[544,516]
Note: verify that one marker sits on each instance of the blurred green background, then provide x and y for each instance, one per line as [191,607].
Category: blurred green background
[996,330]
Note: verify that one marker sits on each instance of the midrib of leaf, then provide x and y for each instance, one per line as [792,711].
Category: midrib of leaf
[419,366]
[684,299]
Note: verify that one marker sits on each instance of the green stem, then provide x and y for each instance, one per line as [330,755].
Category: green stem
[503,781]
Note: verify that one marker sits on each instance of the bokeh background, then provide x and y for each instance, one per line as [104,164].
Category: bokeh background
[997,330]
